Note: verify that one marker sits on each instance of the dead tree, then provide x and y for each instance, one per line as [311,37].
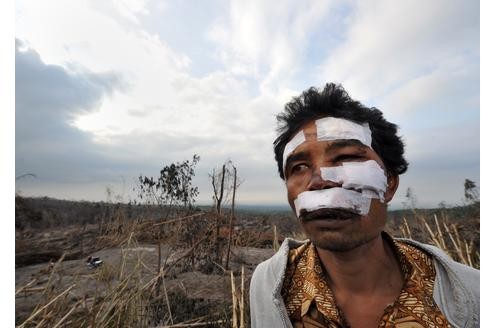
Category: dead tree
[234,187]
[224,183]
[218,182]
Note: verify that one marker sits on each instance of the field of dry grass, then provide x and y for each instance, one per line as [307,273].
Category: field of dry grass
[174,272]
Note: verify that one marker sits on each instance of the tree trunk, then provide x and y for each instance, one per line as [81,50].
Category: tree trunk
[231,219]
[220,197]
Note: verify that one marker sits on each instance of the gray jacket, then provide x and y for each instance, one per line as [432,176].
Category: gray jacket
[456,290]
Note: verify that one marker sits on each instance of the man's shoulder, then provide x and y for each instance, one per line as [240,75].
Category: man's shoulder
[266,282]
[441,257]
[457,286]
[271,271]
[450,274]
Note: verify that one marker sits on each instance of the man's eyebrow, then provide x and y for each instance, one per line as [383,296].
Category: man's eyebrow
[339,144]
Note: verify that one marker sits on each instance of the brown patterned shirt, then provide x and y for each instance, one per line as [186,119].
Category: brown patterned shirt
[310,302]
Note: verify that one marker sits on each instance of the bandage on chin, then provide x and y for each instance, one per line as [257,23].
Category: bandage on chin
[332,198]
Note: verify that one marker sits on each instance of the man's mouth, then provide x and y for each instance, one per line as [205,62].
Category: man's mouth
[329,214]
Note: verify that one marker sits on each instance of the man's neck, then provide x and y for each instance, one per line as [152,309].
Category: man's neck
[364,270]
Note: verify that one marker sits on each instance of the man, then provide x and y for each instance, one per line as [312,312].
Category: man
[341,163]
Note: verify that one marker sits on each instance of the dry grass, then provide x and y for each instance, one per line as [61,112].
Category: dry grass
[239,314]
[134,293]
[445,235]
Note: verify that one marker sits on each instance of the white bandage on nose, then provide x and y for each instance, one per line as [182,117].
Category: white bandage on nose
[360,181]
[367,177]
[331,128]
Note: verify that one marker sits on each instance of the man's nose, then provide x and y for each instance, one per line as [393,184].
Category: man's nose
[317,183]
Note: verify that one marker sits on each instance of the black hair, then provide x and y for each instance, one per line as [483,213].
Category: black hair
[334,101]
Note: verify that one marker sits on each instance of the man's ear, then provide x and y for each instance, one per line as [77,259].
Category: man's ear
[392,185]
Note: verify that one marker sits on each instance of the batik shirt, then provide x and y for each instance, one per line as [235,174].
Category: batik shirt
[310,302]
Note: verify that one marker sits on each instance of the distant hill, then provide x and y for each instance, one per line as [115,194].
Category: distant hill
[45,211]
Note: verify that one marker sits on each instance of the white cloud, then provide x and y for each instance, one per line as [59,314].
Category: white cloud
[265,39]
[106,36]
[449,89]
[389,43]
[131,8]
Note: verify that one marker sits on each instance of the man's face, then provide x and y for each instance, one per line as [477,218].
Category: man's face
[336,229]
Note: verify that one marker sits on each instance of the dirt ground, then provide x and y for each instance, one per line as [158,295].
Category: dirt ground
[194,285]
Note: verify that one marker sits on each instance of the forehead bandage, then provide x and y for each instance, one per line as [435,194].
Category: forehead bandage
[360,182]
[331,128]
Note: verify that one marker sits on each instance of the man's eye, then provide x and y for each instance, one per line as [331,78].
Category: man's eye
[299,167]
[348,157]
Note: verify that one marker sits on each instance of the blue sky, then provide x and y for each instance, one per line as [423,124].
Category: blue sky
[109,90]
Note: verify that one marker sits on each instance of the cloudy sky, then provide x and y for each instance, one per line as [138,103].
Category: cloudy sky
[109,90]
